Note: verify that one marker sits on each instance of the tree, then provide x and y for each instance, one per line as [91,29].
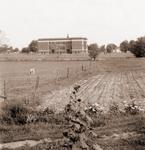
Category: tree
[25,50]
[33,46]
[14,50]
[102,49]
[110,47]
[132,44]
[3,42]
[4,48]
[124,46]
[138,47]
[93,50]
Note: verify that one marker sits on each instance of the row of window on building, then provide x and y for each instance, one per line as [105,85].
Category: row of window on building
[63,45]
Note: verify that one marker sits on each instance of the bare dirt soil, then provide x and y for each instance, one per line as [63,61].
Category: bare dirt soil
[115,81]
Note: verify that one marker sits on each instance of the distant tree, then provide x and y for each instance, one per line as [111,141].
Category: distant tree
[124,46]
[138,47]
[3,42]
[132,44]
[33,46]
[25,50]
[110,47]
[93,50]
[4,48]
[15,50]
[102,49]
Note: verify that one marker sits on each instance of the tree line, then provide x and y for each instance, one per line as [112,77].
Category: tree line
[32,47]
[136,47]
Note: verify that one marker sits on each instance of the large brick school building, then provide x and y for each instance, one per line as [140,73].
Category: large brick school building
[63,45]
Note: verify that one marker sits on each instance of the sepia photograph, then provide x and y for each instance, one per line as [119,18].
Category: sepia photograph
[72,74]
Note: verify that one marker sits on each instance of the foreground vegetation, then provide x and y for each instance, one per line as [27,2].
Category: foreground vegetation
[77,126]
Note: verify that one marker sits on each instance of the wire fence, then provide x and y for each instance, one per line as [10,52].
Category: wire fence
[34,82]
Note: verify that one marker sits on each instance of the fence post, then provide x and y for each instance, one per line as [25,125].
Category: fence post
[82,67]
[5,93]
[36,87]
[67,72]
[57,76]
[90,63]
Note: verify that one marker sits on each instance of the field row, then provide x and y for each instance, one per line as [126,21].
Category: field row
[104,89]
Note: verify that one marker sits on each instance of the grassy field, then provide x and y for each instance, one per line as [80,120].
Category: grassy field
[55,57]
[52,75]
[42,57]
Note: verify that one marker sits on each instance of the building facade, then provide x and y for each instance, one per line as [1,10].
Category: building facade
[63,45]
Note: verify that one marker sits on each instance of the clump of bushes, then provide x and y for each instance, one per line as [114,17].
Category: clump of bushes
[46,116]
[97,114]
[132,108]
[14,112]
[114,108]
[19,113]
[101,115]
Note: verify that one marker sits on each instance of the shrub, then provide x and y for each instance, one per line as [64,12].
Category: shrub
[114,109]
[19,113]
[96,112]
[132,109]
[14,113]
[47,115]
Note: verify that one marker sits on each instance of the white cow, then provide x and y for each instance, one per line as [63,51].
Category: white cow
[32,71]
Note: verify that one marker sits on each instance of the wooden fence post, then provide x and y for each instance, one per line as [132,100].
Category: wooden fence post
[5,93]
[57,78]
[90,63]
[67,72]
[36,87]
[82,67]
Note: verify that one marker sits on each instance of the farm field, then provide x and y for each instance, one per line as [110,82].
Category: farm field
[116,81]
[106,88]
[52,75]
[105,82]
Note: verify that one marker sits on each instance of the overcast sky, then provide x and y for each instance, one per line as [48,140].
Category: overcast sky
[101,21]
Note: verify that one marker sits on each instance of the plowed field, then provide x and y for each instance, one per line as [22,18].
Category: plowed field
[121,80]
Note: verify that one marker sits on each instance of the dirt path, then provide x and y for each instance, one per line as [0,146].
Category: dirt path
[30,143]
